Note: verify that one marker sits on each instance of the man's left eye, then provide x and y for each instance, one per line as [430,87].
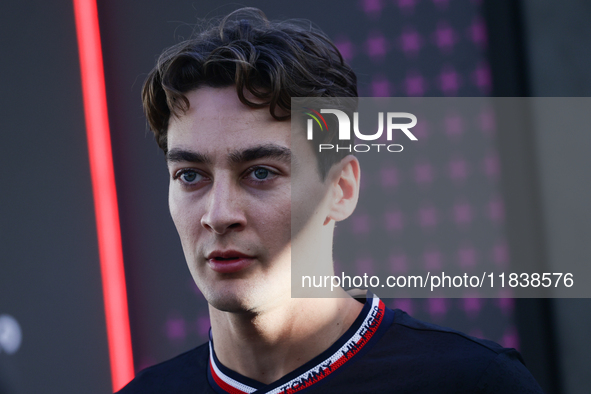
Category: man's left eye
[261,173]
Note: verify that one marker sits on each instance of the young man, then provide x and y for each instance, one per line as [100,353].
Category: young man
[244,193]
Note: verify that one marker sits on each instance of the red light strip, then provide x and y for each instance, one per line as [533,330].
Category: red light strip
[104,191]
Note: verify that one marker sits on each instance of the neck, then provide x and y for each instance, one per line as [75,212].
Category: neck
[267,345]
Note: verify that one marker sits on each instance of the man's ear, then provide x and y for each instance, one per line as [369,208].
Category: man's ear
[344,178]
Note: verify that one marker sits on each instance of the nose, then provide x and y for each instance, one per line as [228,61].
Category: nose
[224,210]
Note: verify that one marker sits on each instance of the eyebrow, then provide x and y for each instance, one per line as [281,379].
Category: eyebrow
[267,151]
[181,155]
[271,151]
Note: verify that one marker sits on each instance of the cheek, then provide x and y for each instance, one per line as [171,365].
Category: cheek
[273,218]
[180,211]
[307,205]
[173,206]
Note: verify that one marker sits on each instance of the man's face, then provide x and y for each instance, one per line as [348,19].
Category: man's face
[230,198]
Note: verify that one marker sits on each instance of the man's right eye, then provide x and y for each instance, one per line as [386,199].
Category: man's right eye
[188,176]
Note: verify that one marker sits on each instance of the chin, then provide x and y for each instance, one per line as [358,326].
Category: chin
[250,291]
[229,303]
[234,298]
[242,298]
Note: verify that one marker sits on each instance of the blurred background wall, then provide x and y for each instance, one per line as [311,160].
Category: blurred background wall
[50,277]
[49,267]
[558,53]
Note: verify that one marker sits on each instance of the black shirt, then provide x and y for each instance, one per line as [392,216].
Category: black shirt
[384,351]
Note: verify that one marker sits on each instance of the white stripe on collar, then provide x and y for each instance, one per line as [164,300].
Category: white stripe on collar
[228,380]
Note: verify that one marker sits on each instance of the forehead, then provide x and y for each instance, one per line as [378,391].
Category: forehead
[217,119]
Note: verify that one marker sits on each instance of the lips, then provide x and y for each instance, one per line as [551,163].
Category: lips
[228,261]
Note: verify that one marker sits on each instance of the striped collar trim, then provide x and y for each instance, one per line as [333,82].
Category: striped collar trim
[314,371]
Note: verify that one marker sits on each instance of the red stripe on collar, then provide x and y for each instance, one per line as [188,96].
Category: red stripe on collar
[223,385]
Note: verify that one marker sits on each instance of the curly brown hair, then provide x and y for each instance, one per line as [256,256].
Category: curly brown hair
[273,61]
